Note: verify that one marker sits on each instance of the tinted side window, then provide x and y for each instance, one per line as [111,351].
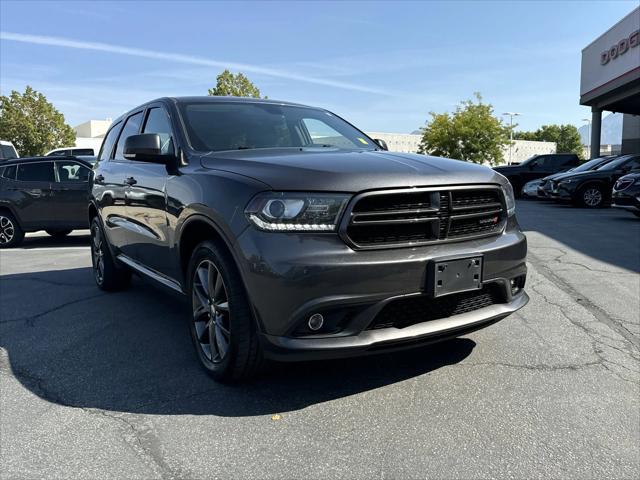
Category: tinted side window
[10,172]
[158,122]
[82,151]
[36,172]
[71,172]
[131,127]
[565,160]
[109,141]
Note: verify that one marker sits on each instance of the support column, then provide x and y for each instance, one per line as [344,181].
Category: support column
[596,127]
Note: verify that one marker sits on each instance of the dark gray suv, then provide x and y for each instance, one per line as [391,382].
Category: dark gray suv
[293,235]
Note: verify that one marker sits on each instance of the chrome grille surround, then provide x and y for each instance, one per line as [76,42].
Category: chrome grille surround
[410,217]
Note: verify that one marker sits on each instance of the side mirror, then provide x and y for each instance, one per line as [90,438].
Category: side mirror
[145,148]
[381,143]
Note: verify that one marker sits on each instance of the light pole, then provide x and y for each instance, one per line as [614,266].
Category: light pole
[511,115]
[588,120]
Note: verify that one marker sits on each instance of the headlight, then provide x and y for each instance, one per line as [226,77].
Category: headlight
[296,212]
[509,199]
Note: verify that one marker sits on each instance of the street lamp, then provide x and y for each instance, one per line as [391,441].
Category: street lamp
[511,115]
[588,144]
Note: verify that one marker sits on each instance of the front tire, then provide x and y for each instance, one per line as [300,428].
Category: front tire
[11,234]
[58,233]
[222,326]
[591,196]
[107,275]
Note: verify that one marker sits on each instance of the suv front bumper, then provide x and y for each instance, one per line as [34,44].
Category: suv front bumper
[289,277]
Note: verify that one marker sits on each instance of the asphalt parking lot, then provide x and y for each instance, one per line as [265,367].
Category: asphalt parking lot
[97,385]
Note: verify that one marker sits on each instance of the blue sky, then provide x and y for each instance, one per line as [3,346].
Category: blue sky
[382,65]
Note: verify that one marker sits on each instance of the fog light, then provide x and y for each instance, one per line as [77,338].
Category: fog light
[316,321]
[516,285]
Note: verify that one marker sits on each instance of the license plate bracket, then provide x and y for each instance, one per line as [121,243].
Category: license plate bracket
[454,275]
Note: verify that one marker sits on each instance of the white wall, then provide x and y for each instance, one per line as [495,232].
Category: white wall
[398,142]
[523,149]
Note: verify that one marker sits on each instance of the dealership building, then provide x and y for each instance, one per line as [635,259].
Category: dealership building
[610,81]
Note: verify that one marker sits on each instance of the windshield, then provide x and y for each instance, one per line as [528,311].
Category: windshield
[615,164]
[239,126]
[591,164]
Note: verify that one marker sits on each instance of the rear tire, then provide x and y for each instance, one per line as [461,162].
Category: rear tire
[591,196]
[222,326]
[11,234]
[107,274]
[58,233]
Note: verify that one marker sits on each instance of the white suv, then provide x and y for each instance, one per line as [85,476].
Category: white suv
[7,151]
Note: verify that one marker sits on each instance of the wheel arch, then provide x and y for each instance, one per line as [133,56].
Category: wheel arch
[196,229]
[8,208]
[92,211]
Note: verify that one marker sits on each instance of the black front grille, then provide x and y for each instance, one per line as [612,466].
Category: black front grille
[622,184]
[403,313]
[411,217]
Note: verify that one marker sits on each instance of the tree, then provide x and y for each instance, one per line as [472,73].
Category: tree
[566,137]
[234,85]
[472,133]
[33,124]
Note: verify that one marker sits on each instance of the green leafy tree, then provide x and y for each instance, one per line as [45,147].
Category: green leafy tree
[238,85]
[566,137]
[471,133]
[33,124]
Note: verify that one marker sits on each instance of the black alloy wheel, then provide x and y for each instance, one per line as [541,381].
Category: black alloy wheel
[592,196]
[223,329]
[106,273]
[211,316]
[10,232]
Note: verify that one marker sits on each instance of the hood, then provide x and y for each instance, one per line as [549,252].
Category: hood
[345,170]
[586,174]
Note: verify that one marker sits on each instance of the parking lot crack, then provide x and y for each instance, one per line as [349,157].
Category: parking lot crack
[615,324]
[30,320]
[603,360]
[537,367]
[142,440]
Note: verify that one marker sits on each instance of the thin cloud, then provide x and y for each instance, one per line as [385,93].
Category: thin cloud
[180,58]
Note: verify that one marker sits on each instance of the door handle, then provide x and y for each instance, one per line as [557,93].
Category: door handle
[130,181]
[99,179]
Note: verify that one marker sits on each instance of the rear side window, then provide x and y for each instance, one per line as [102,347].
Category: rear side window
[71,172]
[158,122]
[131,127]
[565,160]
[82,151]
[9,172]
[7,152]
[36,172]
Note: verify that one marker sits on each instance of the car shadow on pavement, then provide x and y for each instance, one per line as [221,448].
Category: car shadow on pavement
[131,352]
[47,241]
[606,234]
